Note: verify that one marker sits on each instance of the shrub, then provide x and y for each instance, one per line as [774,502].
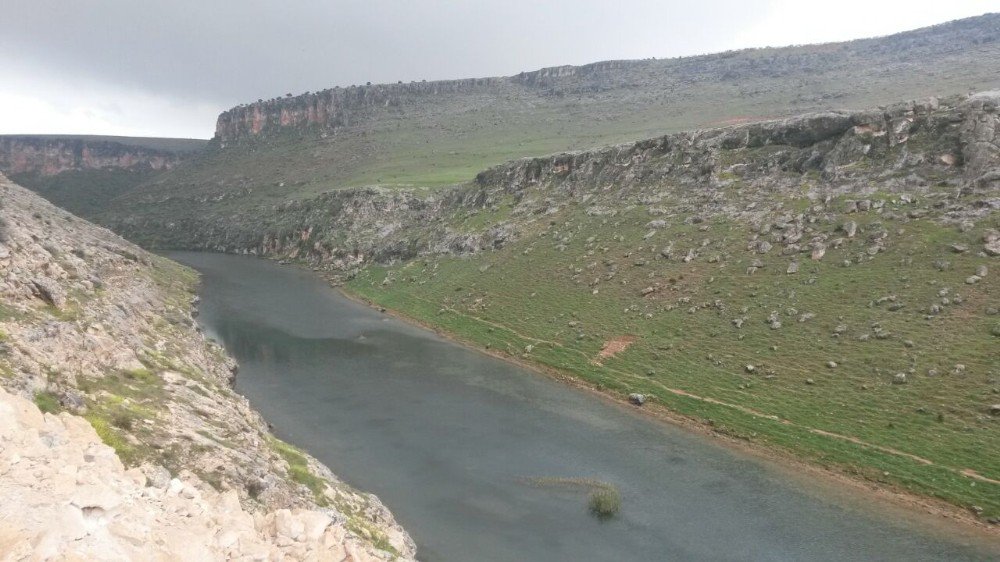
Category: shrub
[605,502]
[47,403]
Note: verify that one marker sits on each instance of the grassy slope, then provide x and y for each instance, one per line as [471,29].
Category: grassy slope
[84,192]
[535,294]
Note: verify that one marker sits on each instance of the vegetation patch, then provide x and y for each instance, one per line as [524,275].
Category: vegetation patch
[48,402]
[298,469]
[604,499]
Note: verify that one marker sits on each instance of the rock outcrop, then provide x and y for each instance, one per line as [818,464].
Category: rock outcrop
[67,496]
[101,332]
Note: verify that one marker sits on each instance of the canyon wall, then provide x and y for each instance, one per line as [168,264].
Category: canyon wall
[49,156]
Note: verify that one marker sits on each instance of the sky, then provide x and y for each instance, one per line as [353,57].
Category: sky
[168,68]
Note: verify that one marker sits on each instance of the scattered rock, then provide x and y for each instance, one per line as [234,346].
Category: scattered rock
[637,399]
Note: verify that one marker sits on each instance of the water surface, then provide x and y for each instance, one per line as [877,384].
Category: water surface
[449,439]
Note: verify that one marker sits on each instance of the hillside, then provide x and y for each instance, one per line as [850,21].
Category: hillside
[120,435]
[431,134]
[823,285]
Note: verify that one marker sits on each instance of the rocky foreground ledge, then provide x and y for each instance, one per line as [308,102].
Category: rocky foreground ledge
[120,435]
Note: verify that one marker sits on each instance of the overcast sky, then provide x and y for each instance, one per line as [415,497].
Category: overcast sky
[167,68]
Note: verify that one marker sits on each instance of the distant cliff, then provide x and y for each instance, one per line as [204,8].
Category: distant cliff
[641,81]
[336,107]
[81,173]
[52,155]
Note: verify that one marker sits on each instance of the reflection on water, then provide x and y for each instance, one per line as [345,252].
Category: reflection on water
[449,439]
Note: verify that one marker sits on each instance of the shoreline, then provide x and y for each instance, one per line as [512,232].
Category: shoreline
[933,515]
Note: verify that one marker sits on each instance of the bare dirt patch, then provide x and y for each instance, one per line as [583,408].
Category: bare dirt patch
[615,346]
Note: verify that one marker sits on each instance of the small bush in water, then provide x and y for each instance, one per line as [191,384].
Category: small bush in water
[605,502]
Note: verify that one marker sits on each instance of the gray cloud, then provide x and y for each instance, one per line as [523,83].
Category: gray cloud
[210,53]
[236,51]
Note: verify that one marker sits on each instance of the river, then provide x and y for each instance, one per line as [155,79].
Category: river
[453,441]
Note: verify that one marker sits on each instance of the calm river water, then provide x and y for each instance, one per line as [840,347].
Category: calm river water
[450,439]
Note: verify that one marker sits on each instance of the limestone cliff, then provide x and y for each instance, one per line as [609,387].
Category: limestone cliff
[49,156]
[94,328]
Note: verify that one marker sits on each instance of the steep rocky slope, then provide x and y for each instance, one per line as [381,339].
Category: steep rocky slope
[92,326]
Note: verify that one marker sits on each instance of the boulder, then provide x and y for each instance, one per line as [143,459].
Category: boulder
[49,291]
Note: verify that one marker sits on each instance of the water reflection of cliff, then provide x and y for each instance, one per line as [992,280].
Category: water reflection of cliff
[252,342]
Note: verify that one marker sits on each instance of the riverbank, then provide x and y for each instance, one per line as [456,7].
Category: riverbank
[827,482]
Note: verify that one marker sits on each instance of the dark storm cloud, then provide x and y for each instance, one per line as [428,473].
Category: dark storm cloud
[236,51]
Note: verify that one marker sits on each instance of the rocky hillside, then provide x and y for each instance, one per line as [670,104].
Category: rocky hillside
[99,335]
[81,173]
[920,146]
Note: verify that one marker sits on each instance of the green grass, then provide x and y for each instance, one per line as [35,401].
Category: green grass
[538,292]
[48,403]
[114,438]
[298,470]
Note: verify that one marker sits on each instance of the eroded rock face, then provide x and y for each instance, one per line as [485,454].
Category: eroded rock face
[93,325]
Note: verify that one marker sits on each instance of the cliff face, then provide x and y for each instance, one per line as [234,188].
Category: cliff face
[49,156]
[337,107]
[94,327]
